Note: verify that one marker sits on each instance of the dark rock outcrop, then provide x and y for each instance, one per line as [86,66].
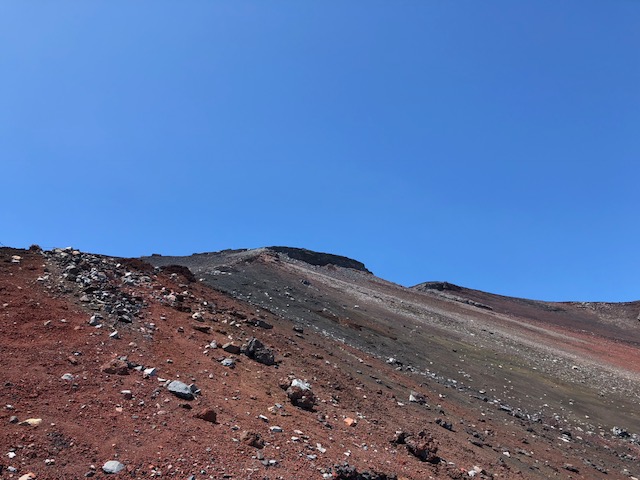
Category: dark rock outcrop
[320,259]
[347,472]
[256,350]
[181,271]
[423,447]
[440,286]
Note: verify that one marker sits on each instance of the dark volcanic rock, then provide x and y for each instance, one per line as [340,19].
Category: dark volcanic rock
[444,424]
[180,270]
[423,447]
[265,356]
[347,472]
[620,432]
[399,438]
[440,286]
[257,322]
[256,350]
[230,347]
[320,259]
[300,394]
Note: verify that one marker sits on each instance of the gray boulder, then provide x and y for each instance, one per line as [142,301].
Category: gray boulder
[112,466]
[256,350]
[180,390]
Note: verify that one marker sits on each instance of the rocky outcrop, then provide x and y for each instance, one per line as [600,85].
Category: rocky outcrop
[256,350]
[440,286]
[320,259]
[443,288]
[348,472]
[421,445]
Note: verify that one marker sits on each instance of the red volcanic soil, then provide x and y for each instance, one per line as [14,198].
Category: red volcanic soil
[56,359]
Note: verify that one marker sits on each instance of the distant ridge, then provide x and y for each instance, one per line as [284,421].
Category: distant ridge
[440,286]
[320,259]
[230,256]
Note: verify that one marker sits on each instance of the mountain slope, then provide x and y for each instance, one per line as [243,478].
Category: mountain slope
[471,396]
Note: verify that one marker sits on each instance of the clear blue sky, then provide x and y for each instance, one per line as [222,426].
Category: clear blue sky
[492,144]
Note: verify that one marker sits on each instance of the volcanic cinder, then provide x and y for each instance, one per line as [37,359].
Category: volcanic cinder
[282,363]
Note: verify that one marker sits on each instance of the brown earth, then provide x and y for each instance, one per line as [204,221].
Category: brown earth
[515,388]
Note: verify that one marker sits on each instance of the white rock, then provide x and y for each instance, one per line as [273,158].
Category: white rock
[112,466]
[300,384]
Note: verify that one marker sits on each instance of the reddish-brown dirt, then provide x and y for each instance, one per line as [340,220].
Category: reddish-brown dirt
[480,427]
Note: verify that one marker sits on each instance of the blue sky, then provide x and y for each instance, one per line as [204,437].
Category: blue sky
[491,144]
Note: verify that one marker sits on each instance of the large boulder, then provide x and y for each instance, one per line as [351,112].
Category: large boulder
[256,350]
[112,466]
[300,394]
[422,446]
[181,390]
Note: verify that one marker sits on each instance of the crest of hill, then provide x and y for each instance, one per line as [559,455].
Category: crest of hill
[440,286]
[320,259]
[228,257]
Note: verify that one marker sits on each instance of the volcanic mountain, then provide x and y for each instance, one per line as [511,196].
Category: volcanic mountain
[283,363]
